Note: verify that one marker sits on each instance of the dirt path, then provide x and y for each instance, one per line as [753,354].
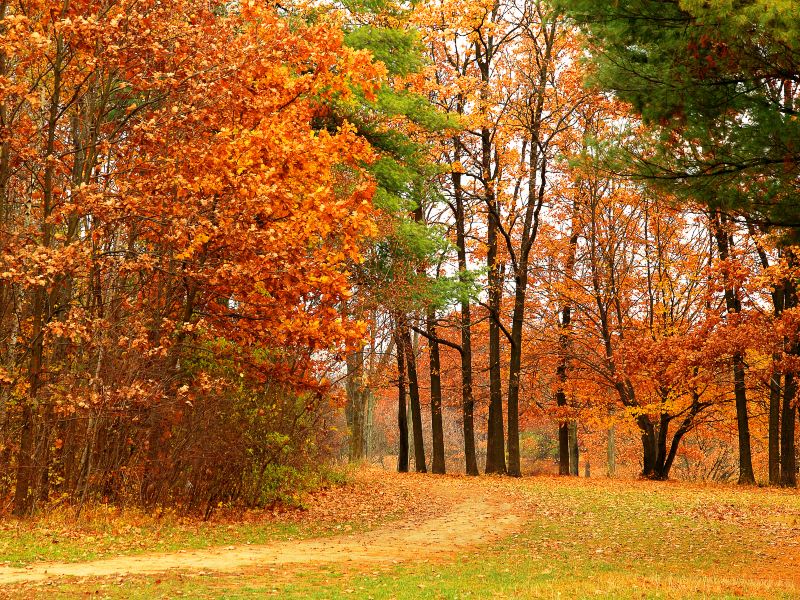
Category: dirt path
[477,519]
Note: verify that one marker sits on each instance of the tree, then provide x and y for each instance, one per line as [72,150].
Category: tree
[698,69]
[719,83]
[166,198]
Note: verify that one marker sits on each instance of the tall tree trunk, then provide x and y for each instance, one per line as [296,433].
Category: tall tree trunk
[746,475]
[495,439]
[514,373]
[788,410]
[402,418]
[788,458]
[537,169]
[563,443]
[413,392]
[649,444]
[611,452]
[356,404]
[574,456]
[779,296]
[437,431]
[733,306]
[774,433]
[563,349]
[467,399]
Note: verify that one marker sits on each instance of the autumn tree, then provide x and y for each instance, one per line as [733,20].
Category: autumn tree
[174,225]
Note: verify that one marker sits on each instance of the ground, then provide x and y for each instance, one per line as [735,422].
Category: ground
[385,535]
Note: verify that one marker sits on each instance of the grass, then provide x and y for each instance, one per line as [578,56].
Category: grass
[105,532]
[584,539]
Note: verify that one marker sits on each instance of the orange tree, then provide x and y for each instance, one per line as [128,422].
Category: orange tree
[166,200]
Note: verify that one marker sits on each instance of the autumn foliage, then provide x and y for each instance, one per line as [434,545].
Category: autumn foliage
[219,221]
[176,234]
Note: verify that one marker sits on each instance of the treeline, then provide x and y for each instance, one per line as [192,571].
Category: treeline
[207,208]
[620,210]
[175,235]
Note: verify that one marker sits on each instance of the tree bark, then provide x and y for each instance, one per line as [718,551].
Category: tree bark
[23,494]
[779,297]
[402,419]
[774,443]
[611,452]
[573,448]
[357,408]
[495,442]
[733,306]
[467,399]
[563,349]
[437,431]
[788,458]
[413,392]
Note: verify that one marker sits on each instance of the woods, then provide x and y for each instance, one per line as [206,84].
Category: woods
[240,242]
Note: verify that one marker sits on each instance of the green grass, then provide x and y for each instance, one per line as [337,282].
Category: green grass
[595,539]
[31,544]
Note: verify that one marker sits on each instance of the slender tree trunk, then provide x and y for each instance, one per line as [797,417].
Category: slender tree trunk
[733,306]
[788,409]
[788,458]
[563,350]
[779,296]
[611,452]
[495,439]
[515,369]
[746,475]
[437,431]
[413,389]
[563,447]
[356,400]
[573,448]
[537,169]
[774,459]
[467,399]
[23,498]
[402,418]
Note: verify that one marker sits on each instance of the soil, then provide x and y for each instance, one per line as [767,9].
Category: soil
[470,517]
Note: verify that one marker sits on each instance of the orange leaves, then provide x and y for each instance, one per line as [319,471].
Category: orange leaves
[184,188]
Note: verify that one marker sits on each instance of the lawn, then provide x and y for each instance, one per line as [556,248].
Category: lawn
[582,539]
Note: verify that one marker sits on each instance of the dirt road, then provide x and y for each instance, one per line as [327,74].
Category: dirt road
[474,519]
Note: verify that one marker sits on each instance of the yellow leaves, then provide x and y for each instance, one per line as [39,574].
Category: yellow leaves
[197,243]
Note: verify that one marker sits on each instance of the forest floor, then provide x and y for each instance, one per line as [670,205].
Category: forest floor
[385,535]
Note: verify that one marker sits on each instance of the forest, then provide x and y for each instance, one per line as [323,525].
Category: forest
[241,242]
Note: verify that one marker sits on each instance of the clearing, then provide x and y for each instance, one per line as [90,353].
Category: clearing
[448,537]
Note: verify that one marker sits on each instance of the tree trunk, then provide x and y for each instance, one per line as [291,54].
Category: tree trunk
[437,431]
[788,458]
[402,419]
[774,460]
[495,439]
[563,349]
[356,404]
[515,368]
[563,448]
[649,444]
[611,452]
[573,448]
[733,305]
[467,399]
[746,475]
[23,496]
[779,297]
[413,389]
